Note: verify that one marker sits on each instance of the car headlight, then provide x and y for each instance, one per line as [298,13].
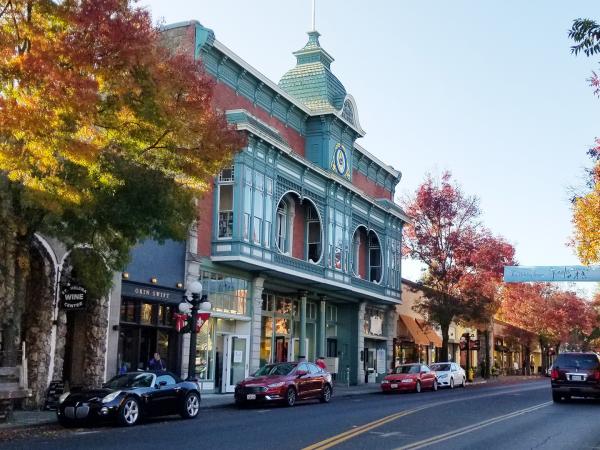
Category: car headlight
[407,380]
[110,397]
[385,381]
[276,385]
[63,397]
[444,375]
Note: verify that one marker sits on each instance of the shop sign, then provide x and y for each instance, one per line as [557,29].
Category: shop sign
[151,293]
[73,297]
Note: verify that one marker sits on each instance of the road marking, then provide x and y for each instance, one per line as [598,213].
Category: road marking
[358,430]
[468,429]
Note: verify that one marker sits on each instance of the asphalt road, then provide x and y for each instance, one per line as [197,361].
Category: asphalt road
[518,416]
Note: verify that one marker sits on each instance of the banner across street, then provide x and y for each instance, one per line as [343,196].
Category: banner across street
[520,274]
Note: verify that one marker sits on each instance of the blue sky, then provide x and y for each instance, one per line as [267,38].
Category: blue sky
[485,89]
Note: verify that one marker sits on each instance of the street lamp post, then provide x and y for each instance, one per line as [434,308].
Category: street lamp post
[192,306]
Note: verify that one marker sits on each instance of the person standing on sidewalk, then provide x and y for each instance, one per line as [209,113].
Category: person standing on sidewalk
[156,363]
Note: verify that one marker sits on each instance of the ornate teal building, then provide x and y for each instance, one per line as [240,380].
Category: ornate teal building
[299,243]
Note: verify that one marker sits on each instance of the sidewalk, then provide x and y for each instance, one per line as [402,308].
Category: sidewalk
[21,419]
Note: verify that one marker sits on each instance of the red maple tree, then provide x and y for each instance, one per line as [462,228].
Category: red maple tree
[464,261]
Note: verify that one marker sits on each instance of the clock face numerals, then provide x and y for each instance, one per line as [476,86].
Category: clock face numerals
[340,160]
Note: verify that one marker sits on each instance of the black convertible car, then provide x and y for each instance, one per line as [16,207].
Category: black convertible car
[131,396]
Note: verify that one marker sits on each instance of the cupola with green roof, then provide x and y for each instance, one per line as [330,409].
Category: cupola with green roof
[333,126]
[312,81]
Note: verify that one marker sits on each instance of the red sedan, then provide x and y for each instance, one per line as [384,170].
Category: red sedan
[410,377]
[286,383]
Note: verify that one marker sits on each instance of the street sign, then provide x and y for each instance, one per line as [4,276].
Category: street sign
[521,274]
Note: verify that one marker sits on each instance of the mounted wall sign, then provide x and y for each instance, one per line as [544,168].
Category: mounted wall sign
[340,161]
[73,297]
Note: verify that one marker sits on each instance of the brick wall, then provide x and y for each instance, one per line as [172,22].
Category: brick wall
[226,98]
[205,220]
[373,189]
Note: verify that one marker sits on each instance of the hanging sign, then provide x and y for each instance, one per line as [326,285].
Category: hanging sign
[73,297]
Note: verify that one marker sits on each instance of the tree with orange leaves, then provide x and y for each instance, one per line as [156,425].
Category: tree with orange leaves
[105,138]
[556,317]
[586,206]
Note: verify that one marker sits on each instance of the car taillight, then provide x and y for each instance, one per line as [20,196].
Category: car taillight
[554,374]
[596,375]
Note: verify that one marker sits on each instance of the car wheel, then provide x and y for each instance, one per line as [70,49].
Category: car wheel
[290,397]
[129,412]
[451,383]
[326,395]
[435,385]
[464,382]
[556,397]
[418,387]
[191,406]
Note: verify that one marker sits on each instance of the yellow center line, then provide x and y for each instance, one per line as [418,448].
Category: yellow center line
[468,429]
[339,438]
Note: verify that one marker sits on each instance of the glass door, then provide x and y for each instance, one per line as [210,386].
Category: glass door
[236,368]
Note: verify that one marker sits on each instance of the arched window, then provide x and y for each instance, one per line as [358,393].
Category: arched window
[282,226]
[375,258]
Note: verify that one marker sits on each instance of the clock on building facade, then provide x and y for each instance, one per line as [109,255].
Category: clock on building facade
[340,161]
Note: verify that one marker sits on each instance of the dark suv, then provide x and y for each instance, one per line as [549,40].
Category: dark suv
[575,374]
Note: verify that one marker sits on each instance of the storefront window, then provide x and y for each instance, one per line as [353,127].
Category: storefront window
[226,294]
[127,310]
[146,313]
[266,340]
[204,351]
[284,306]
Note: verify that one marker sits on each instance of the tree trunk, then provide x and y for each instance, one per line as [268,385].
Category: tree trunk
[445,338]
[488,358]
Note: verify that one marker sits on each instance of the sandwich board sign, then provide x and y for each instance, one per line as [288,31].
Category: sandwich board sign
[542,274]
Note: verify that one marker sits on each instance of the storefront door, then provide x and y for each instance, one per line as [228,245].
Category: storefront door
[236,364]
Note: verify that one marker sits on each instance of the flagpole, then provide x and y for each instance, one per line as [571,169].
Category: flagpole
[313,15]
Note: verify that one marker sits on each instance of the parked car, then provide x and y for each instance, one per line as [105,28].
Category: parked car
[286,383]
[449,374]
[410,377]
[575,375]
[129,397]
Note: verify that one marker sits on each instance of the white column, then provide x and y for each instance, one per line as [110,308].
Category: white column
[302,350]
[360,371]
[390,332]
[256,328]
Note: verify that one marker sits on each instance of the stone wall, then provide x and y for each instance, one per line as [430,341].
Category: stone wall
[37,326]
[96,324]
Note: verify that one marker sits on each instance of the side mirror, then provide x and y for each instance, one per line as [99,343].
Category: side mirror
[161,384]
[301,373]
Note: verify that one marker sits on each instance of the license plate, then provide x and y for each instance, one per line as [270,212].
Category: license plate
[576,378]
[250,396]
[394,386]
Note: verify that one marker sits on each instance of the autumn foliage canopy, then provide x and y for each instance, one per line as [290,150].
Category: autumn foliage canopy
[80,80]
[555,316]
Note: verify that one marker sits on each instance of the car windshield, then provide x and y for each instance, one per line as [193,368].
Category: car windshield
[576,361]
[440,367]
[275,369]
[130,380]
[407,369]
